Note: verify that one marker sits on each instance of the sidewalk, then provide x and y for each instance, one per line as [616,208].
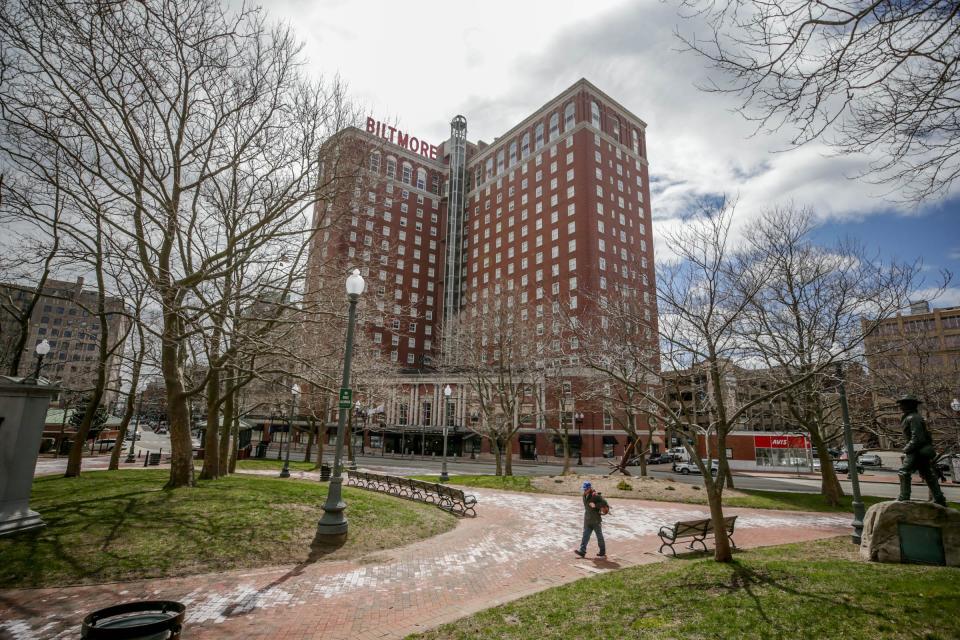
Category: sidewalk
[519,544]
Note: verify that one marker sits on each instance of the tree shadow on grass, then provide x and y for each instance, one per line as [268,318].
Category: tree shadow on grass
[752,583]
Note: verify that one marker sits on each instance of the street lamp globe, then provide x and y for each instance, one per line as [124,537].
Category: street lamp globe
[955,404]
[447,391]
[355,283]
[43,347]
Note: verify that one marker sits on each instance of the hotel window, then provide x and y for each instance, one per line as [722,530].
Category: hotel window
[489,171]
[554,126]
[538,137]
[479,176]
[635,143]
[391,167]
[375,163]
[513,153]
[421,183]
[616,129]
[595,114]
[407,175]
[569,116]
[525,145]
[499,163]
[435,184]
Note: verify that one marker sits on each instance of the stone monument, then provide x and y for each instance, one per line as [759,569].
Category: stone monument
[23,412]
[905,531]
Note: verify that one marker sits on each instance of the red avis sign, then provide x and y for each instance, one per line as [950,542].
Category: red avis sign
[780,442]
[402,139]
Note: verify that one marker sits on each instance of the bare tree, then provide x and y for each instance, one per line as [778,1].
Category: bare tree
[808,311]
[876,76]
[496,357]
[167,98]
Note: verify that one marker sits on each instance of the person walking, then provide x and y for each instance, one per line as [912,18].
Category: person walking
[594,506]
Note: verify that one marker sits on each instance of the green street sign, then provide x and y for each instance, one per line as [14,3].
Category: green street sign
[346,398]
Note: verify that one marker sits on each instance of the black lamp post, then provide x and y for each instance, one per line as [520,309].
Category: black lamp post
[295,394]
[579,418]
[42,349]
[447,391]
[333,522]
[858,509]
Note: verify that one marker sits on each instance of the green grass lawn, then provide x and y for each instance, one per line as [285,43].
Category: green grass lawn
[780,500]
[510,483]
[808,590]
[257,464]
[120,525]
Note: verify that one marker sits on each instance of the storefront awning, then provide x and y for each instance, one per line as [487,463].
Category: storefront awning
[610,440]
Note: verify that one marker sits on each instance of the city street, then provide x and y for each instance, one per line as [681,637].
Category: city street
[151,442]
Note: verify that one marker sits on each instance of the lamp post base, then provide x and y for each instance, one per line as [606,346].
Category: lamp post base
[285,472]
[333,522]
[443,472]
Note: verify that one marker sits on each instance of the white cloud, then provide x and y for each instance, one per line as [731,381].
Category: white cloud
[422,64]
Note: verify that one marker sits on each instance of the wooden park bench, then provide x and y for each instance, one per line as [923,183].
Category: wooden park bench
[696,530]
[453,500]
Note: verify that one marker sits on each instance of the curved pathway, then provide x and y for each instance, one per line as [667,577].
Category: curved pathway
[519,544]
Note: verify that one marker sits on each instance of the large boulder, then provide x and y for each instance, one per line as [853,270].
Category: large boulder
[880,541]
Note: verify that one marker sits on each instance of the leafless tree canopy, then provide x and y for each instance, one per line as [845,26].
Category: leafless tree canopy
[865,75]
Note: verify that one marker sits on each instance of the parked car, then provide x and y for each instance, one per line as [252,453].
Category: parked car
[130,436]
[659,458]
[687,468]
[842,466]
[870,460]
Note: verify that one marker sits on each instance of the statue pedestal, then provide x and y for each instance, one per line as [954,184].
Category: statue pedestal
[23,412]
[911,532]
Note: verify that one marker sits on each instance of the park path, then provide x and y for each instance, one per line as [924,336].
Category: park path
[519,544]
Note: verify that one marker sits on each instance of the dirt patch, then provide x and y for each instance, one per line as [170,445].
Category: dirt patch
[642,488]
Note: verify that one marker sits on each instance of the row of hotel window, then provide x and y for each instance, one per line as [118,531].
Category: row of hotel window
[538,176]
[507,156]
[406,173]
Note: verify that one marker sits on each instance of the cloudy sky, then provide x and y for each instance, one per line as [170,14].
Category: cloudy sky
[495,62]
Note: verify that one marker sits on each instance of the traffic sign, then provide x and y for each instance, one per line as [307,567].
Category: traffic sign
[346,398]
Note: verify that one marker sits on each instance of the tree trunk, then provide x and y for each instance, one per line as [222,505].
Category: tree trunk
[722,551]
[211,436]
[829,483]
[508,458]
[124,424]
[565,441]
[226,428]
[76,451]
[181,454]
[310,434]
[348,436]
[235,436]
[495,449]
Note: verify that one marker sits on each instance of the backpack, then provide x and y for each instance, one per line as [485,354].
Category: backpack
[603,506]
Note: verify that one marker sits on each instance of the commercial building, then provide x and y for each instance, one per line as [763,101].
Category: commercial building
[66,316]
[919,353]
[545,220]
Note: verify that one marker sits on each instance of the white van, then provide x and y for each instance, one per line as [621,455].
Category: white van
[679,454]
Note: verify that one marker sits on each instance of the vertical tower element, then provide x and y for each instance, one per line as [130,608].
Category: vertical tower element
[453,274]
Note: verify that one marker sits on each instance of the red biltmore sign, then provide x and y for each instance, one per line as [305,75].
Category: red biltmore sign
[402,139]
[780,442]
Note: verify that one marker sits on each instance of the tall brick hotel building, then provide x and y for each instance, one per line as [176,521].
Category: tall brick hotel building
[556,208]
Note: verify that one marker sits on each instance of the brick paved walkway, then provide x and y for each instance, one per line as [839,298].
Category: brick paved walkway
[519,544]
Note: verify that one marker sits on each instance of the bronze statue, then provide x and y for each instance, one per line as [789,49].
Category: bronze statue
[919,451]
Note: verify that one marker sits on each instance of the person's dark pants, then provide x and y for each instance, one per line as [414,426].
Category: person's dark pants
[924,466]
[587,530]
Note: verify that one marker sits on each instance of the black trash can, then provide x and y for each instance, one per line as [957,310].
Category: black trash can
[262,449]
[145,620]
[324,472]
